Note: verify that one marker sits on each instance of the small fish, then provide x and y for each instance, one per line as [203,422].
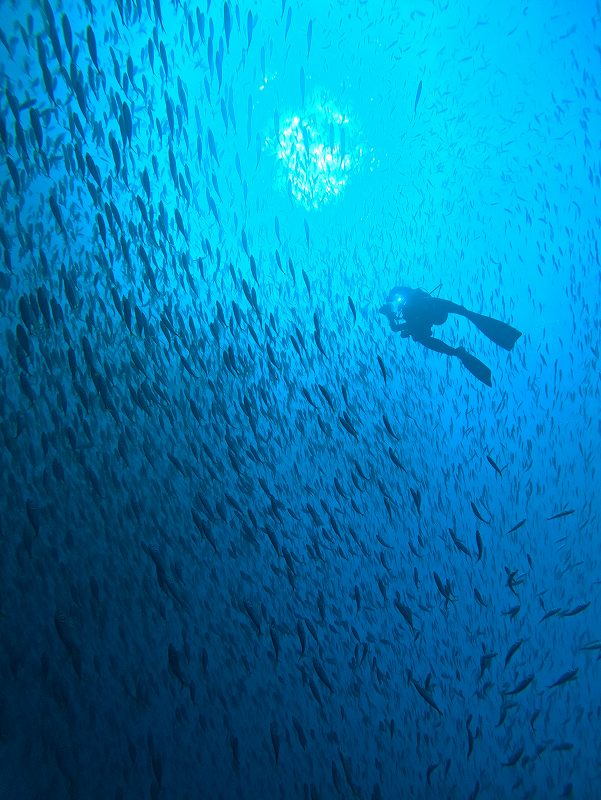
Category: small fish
[470,741]
[353,310]
[417,96]
[321,674]
[227,24]
[445,590]
[275,741]
[459,544]
[275,642]
[388,427]
[204,529]
[576,610]
[395,460]
[417,498]
[571,675]
[512,651]
[478,515]
[56,212]
[480,599]
[253,616]
[592,646]
[91,40]
[495,466]
[249,28]
[383,542]
[406,612]
[307,284]
[425,694]
[561,514]
[563,747]
[521,686]
[299,730]
[513,759]
[479,545]
[517,526]
[348,426]
[175,665]
[317,337]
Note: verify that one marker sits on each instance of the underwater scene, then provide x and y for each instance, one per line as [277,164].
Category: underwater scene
[300,408]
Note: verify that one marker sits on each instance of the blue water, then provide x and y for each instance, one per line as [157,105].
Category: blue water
[253,543]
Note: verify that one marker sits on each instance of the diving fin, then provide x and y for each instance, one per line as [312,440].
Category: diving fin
[475,366]
[500,333]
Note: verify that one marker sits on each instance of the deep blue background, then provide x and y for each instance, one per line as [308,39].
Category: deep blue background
[209,587]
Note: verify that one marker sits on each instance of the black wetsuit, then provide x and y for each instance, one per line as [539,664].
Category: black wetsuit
[413,312]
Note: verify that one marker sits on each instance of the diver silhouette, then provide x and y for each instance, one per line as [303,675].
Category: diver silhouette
[413,312]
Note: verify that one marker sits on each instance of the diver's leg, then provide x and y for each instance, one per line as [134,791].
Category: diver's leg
[470,362]
[436,344]
[501,333]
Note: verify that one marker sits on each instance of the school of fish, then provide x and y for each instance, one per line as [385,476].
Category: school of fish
[253,544]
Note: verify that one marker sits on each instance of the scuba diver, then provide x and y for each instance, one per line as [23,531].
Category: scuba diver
[413,312]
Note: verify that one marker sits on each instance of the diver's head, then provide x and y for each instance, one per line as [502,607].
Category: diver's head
[396,300]
[395,303]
